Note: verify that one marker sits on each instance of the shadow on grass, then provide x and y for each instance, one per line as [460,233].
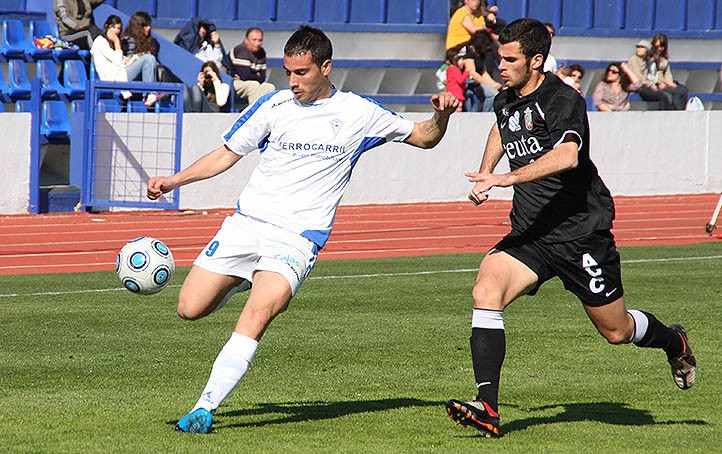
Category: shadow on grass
[316,411]
[605,412]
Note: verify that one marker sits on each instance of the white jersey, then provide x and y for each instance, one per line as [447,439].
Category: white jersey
[307,154]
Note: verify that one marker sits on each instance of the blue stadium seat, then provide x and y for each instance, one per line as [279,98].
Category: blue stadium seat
[74,78]
[13,42]
[2,107]
[55,122]
[18,82]
[22,106]
[49,78]
[40,28]
[136,106]
[108,105]
[93,74]
[77,106]
[165,106]
[4,89]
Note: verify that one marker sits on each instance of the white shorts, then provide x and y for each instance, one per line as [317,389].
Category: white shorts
[244,245]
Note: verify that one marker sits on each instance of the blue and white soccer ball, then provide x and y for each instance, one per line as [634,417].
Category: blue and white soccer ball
[145,265]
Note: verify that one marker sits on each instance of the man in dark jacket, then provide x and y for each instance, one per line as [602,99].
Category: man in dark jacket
[249,67]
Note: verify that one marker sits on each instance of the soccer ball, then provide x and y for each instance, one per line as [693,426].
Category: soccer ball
[144,265]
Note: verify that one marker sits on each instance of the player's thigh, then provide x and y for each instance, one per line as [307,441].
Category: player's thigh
[501,279]
[612,321]
[270,295]
[202,291]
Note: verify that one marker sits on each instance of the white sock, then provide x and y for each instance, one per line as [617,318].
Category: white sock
[487,319]
[228,369]
[641,323]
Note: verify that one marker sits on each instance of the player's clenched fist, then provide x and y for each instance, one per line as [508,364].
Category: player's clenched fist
[157,186]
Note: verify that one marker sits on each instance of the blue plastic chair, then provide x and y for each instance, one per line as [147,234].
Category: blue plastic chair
[55,122]
[22,106]
[18,82]
[49,78]
[165,106]
[74,78]
[137,107]
[93,74]
[41,28]
[77,106]
[4,89]
[13,42]
[108,105]
[2,107]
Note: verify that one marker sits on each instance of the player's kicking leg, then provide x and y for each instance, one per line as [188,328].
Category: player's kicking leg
[269,296]
[619,325]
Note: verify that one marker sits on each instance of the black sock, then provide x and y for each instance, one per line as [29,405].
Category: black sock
[488,347]
[660,336]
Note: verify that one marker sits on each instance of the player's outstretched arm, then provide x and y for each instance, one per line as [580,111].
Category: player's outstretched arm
[207,166]
[427,134]
[492,155]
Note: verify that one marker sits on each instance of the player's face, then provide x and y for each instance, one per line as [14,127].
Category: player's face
[515,67]
[307,81]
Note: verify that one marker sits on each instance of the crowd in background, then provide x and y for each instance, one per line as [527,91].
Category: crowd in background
[129,54]
[471,72]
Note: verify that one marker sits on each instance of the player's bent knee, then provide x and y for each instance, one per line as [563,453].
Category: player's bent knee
[486,298]
[188,309]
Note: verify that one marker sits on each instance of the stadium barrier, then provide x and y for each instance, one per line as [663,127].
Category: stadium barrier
[675,154]
[126,141]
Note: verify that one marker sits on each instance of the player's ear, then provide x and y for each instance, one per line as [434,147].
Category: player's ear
[326,68]
[537,62]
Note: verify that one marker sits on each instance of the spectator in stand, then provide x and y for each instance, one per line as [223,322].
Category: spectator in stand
[572,75]
[640,64]
[466,21]
[481,66]
[111,65]
[137,39]
[200,37]
[210,94]
[456,75]
[665,80]
[494,23]
[550,64]
[75,21]
[248,67]
[612,92]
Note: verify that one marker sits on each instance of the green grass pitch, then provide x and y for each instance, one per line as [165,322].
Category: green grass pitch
[363,361]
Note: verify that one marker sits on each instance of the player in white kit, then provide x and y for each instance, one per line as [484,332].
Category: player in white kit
[310,138]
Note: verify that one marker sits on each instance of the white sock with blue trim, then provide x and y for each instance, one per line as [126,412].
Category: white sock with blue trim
[230,366]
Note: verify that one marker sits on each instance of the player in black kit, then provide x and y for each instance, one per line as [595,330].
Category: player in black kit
[560,224]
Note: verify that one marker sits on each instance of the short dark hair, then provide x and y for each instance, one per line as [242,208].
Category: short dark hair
[532,36]
[253,29]
[576,67]
[309,39]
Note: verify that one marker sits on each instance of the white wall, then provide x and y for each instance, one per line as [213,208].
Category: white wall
[637,153]
[15,162]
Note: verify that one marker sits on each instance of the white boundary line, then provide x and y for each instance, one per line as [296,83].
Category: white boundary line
[355,276]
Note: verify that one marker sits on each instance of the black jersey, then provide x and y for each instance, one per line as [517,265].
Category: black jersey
[561,207]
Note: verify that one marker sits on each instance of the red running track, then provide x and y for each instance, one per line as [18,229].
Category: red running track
[77,242]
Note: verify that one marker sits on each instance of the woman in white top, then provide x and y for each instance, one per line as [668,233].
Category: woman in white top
[109,61]
[210,94]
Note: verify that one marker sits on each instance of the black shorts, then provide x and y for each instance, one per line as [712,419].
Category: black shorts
[588,267]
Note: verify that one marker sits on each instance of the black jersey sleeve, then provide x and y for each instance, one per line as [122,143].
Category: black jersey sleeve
[566,114]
